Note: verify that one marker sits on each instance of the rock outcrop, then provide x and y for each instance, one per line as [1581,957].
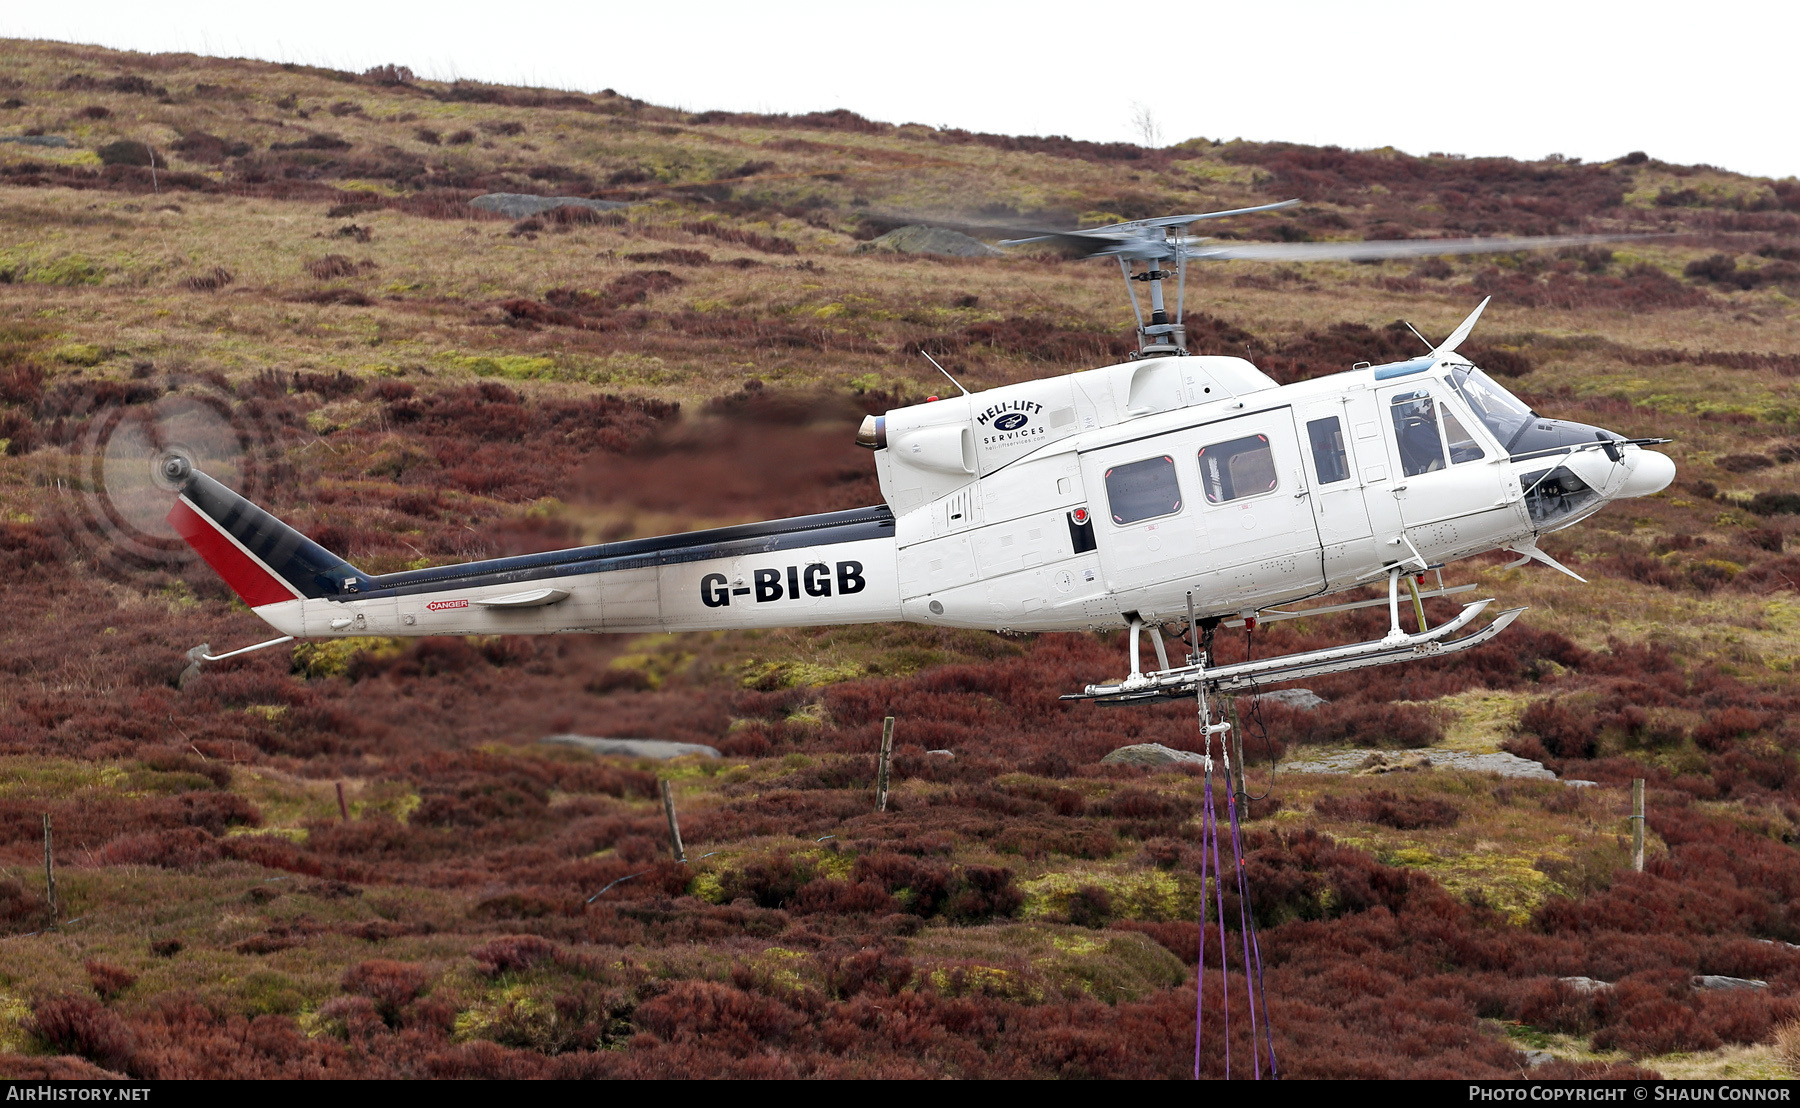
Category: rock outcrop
[919,239]
[518,205]
[1150,754]
[633,748]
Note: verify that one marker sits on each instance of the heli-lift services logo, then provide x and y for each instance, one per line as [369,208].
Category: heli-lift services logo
[1009,422]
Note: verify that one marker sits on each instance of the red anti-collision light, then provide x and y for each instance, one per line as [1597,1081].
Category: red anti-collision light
[1081,517]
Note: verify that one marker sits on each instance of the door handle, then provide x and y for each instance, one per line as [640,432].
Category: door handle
[1397,489]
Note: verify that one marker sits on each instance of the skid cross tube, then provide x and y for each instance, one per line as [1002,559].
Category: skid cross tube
[1276,615]
[1187,680]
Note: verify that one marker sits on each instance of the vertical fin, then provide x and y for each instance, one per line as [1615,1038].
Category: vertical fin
[263,559]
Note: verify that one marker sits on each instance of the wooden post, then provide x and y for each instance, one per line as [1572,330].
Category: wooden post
[887,756]
[668,797]
[343,807]
[1237,748]
[1637,824]
[49,871]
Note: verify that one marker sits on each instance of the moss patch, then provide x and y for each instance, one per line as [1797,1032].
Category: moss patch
[1137,894]
[333,657]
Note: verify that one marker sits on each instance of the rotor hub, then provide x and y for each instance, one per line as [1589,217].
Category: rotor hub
[172,469]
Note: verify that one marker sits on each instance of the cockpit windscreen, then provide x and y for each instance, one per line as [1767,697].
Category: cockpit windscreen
[1504,415]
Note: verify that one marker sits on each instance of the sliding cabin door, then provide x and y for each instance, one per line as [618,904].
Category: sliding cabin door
[1222,510]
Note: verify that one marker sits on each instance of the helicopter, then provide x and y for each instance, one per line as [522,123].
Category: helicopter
[1169,490]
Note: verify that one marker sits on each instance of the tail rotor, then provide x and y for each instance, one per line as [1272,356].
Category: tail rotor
[124,454]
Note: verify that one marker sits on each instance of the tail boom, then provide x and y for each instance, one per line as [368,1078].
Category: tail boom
[839,567]
[854,581]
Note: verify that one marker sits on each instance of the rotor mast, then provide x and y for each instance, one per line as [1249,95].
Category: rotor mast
[1155,243]
[1159,338]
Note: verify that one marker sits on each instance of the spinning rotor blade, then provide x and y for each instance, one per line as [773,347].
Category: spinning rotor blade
[1211,250]
[1085,245]
[1138,238]
[115,495]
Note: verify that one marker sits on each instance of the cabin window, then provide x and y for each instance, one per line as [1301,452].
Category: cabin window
[1463,447]
[1329,458]
[1416,432]
[1143,490]
[1239,468]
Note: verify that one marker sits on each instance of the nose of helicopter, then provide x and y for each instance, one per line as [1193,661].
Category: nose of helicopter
[1650,473]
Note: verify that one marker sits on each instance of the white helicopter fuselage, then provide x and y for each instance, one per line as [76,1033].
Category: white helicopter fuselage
[1068,503]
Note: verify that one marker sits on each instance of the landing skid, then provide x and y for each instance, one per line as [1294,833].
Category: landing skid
[1187,681]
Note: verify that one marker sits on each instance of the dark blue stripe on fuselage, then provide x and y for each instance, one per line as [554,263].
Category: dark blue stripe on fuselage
[320,574]
[827,529]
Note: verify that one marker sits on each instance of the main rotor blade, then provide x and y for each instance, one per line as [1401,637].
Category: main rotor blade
[1178,220]
[1077,241]
[1212,250]
[1139,247]
[1120,230]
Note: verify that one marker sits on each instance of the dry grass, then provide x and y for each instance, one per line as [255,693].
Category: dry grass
[1787,1047]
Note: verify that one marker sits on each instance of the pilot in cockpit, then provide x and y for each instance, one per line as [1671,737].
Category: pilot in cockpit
[1416,433]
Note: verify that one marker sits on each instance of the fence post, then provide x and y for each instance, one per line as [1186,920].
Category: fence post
[49,871]
[881,772]
[1637,824]
[343,806]
[668,799]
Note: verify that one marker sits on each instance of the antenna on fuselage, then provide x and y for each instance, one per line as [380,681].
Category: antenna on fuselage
[944,371]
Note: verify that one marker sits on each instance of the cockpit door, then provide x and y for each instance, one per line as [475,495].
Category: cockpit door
[1448,473]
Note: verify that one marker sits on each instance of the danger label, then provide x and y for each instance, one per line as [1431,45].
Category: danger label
[445,605]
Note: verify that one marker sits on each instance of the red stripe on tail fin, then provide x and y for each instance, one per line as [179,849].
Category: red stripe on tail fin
[249,578]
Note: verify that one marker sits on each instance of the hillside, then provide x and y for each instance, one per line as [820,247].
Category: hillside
[287,259]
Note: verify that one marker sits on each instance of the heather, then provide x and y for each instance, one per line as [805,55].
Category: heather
[413,382]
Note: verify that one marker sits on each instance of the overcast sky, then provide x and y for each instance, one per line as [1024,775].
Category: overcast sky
[1686,83]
